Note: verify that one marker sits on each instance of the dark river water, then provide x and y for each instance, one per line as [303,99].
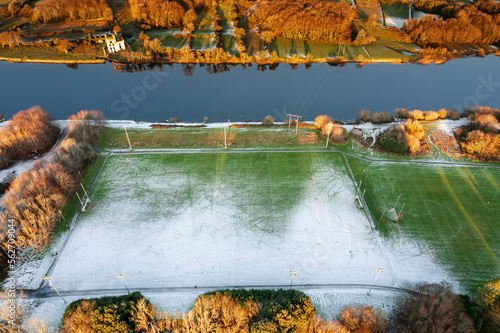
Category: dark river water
[248,93]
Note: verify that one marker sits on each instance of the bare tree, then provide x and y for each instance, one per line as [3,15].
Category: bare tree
[432,308]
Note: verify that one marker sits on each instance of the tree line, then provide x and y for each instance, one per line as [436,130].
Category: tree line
[71,10]
[311,20]
[166,13]
[467,25]
[35,197]
[425,308]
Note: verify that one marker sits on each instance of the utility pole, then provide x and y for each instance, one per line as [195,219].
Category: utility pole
[292,273]
[297,122]
[48,278]
[122,277]
[86,194]
[128,139]
[60,213]
[330,125]
[379,270]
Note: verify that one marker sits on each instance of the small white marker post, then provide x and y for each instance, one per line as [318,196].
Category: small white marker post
[379,270]
[128,139]
[292,273]
[48,278]
[122,277]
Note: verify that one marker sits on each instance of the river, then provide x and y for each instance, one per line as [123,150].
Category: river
[249,93]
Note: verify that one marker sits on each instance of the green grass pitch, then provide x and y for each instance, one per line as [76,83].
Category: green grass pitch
[452,211]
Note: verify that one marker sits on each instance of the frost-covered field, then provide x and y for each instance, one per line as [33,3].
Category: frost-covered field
[184,220]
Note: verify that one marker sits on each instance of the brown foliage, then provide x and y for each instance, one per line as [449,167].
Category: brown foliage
[319,325]
[159,13]
[382,117]
[311,20]
[431,115]
[28,132]
[79,321]
[468,26]
[364,115]
[482,146]
[219,313]
[11,38]
[363,319]
[329,127]
[86,126]
[487,123]
[431,308]
[323,120]
[268,120]
[72,10]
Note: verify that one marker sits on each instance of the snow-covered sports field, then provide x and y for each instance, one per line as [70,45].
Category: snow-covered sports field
[242,219]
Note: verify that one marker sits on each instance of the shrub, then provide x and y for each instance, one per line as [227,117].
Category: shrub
[402,113]
[364,115]
[431,308]
[382,117]
[395,145]
[268,120]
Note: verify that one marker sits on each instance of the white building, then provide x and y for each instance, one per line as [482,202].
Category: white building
[115,45]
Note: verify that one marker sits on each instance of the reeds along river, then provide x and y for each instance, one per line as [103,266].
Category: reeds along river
[190,93]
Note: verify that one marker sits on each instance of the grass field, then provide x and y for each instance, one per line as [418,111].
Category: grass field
[221,219]
[453,211]
[114,138]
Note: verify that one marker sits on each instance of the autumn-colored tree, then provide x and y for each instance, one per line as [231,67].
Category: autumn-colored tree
[363,319]
[321,121]
[416,115]
[71,10]
[218,312]
[482,145]
[364,115]
[489,304]
[11,38]
[86,126]
[431,115]
[311,20]
[487,123]
[268,120]
[467,25]
[431,308]
[382,117]
[79,320]
[322,326]
[159,13]
[29,131]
